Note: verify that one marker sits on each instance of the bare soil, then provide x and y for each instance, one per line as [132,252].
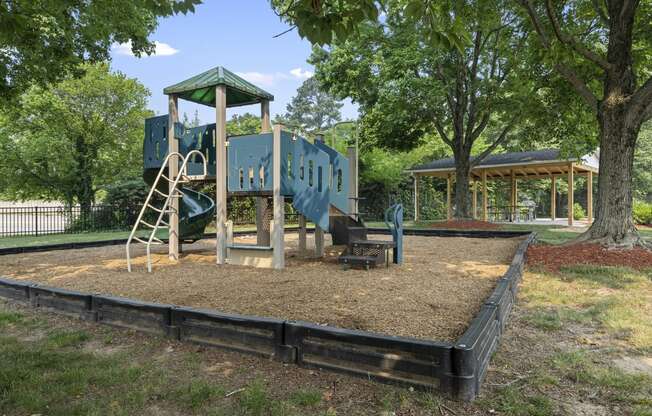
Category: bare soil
[434,295]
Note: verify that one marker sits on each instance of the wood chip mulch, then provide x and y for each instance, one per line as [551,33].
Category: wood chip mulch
[553,258]
[466,225]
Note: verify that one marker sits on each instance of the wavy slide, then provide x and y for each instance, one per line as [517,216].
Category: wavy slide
[197,210]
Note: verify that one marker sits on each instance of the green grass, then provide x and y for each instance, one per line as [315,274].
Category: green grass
[612,383]
[614,298]
[306,398]
[513,402]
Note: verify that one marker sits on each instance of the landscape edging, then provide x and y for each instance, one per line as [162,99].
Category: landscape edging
[457,369]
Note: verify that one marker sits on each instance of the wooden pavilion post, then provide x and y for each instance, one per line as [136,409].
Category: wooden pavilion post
[475,200]
[513,191]
[262,203]
[220,172]
[416,197]
[485,197]
[278,229]
[570,194]
[553,198]
[173,171]
[449,208]
[589,196]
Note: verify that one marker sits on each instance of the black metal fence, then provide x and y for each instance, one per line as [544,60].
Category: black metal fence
[42,220]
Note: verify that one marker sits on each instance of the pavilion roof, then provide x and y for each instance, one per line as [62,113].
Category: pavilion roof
[201,88]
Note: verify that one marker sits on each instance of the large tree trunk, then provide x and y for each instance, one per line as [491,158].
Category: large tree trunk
[619,129]
[462,199]
[614,225]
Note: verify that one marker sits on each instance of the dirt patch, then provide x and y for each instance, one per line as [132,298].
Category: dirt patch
[635,365]
[466,225]
[552,258]
[433,295]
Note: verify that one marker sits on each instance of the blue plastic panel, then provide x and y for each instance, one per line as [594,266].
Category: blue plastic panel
[250,163]
[311,189]
[155,146]
[338,177]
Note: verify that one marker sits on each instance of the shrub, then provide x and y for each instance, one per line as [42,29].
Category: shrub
[578,211]
[642,212]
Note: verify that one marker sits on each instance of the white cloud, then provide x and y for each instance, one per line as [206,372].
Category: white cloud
[270,79]
[160,49]
[259,78]
[301,73]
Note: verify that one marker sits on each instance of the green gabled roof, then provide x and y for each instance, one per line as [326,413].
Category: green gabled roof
[201,89]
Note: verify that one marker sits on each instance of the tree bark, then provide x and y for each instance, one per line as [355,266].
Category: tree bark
[84,193]
[619,128]
[614,225]
[462,189]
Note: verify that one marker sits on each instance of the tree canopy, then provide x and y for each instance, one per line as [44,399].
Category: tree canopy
[68,141]
[312,109]
[45,41]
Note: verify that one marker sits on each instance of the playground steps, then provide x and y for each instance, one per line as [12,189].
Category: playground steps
[366,253]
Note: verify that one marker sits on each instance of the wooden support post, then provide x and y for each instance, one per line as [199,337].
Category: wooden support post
[352,155]
[589,196]
[173,171]
[571,189]
[265,127]
[475,200]
[302,234]
[278,237]
[512,201]
[220,173]
[416,197]
[262,203]
[485,197]
[553,198]
[449,208]
[319,241]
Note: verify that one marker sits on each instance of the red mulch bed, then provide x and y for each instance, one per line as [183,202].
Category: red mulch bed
[552,258]
[466,225]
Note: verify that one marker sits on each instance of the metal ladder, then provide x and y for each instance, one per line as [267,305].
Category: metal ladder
[182,177]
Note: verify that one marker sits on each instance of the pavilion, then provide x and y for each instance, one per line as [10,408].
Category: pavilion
[515,166]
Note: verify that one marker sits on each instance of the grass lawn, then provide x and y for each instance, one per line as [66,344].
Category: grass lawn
[579,343]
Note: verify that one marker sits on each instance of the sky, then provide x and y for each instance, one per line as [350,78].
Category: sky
[238,35]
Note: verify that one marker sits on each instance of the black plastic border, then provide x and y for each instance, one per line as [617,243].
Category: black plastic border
[457,369]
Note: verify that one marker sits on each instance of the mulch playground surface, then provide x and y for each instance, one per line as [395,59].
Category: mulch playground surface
[433,295]
[554,257]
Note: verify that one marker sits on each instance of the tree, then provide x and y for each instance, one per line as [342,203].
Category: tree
[67,141]
[195,122]
[324,21]
[643,165]
[312,109]
[246,123]
[601,48]
[408,88]
[45,41]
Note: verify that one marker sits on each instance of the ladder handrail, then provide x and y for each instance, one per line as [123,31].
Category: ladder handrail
[183,171]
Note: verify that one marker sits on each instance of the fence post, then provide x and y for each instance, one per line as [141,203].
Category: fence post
[36,219]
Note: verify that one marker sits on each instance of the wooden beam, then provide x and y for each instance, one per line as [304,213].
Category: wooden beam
[449,214]
[485,198]
[553,198]
[262,203]
[416,197]
[475,200]
[302,234]
[589,196]
[220,173]
[570,194]
[512,188]
[173,171]
[278,231]
[266,126]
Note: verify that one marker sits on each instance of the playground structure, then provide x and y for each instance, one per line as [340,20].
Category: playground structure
[274,165]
